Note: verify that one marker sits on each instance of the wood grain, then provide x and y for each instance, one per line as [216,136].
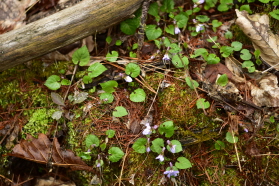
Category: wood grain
[61,29]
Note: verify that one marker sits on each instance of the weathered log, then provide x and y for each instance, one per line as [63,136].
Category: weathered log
[61,29]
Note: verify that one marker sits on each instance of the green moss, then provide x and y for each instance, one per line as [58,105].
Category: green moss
[39,122]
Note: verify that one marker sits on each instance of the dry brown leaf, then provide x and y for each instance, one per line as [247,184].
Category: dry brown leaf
[38,150]
[256,27]
[11,15]
[267,94]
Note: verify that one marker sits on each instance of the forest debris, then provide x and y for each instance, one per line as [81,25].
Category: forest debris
[43,151]
[256,27]
[11,15]
[267,94]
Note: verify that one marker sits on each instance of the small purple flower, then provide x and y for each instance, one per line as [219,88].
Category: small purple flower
[172,149]
[98,165]
[128,79]
[171,173]
[88,150]
[155,127]
[199,27]
[176,30]
[246,130]
[160,158]
[166,57]
[148,149]
[147,130]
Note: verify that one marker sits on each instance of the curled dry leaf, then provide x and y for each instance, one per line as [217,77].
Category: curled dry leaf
[11,15]
[38,150]
[256,27]
[267,94]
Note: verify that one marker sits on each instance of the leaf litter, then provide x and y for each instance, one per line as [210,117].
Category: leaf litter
[43,151]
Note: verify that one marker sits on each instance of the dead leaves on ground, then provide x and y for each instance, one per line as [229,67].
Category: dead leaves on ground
[261,89]
[43,151]
[256,27]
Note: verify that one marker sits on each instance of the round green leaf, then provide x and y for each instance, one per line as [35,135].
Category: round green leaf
[107,97]
[152,32]
[180,62]
[81,56]
[110,133]
[52,82]
[153,9]
[92,140]
[245,54]
[129,26]
[157,145]
[138,95]
[183,163]
[86,79]
[132,69]
[65,82]
[219,145]
[181,20]
[230,138]
[167,128]
[191,83]
[170,29]
[108,86]
[201,103]
[237,46]
[115,154]
[139,145]
[112,57]
[212,59]
[223,80]
[120,111]
[97,69]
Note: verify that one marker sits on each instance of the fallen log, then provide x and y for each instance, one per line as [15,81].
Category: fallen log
[61,29]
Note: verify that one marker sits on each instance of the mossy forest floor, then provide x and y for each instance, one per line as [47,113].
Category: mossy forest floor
[26,107]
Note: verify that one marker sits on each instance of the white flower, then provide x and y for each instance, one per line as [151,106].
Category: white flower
[128,79]
[172,149]
[171,173]
[148,149]
[199,27]
[194,21]
[176,30]
[147,130]
[160,158]
[200,2]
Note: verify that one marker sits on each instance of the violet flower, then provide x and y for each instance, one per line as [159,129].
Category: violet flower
[147,130]
[171,172]
[166,57]
[176,30]
[199,27]
[160,157]
[172,149]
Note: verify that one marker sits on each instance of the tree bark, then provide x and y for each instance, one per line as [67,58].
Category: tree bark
[61,29]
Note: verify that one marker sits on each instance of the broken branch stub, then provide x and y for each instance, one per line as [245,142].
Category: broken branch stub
[256,27]
[61,29]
